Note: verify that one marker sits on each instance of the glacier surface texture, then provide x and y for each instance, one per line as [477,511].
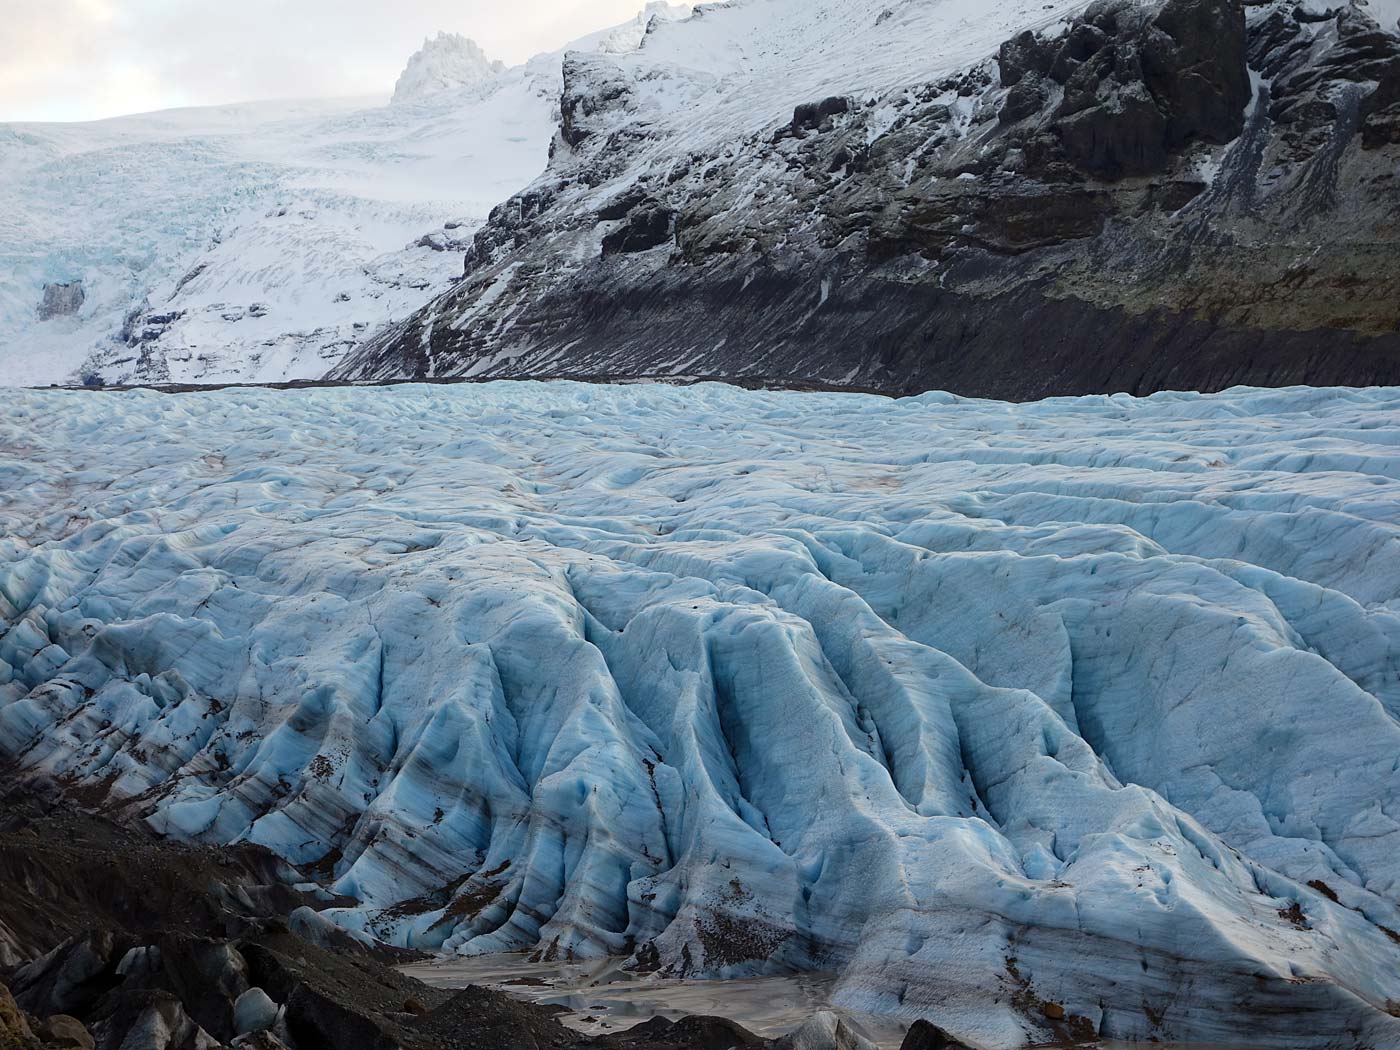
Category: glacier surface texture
[1086,706]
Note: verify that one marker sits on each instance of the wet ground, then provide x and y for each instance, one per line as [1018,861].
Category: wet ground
[601,997]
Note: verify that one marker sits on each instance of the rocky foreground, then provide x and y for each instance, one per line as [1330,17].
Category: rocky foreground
[1183,194]
[113,939]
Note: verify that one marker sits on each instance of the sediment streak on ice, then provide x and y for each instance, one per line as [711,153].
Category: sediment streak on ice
[983,706]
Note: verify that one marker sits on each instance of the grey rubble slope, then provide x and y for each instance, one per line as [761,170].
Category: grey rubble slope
[1187,196]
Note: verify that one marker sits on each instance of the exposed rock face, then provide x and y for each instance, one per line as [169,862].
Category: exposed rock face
[1132,86]
[1112,208]
[61,300]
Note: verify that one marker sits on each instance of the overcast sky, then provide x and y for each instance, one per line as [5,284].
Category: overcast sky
[85,59]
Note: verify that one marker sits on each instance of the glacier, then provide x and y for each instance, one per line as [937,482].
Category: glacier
[260,241]
[264,241]
[1058,720]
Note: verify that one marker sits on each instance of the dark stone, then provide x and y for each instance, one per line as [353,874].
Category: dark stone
[924,1035]
[1302,14]
[621,205]
[1081,43]
[1025,99]
[810,115]
[1123,135]
[689,1033]
[646,228]
[1118,19]
[1025,53]
[65,1033]
[315,1014]
[1275,43]
[69,979]
[1006,219]
[1194,63]
[587,92]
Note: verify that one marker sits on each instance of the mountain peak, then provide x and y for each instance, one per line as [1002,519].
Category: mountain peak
[444,63]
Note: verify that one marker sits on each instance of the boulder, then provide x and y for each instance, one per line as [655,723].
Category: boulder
[925,1035]
[645,228]
[1025,99]
[1124,134]
[254,1011]
[65,1033]
[1023,54]
[1080,44]
[15,1033]
[810,115]
[826,1031]
[1118,19]
[69,979]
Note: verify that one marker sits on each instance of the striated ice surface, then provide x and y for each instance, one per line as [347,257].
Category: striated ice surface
[977,707]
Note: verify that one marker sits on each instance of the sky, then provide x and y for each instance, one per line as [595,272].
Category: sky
[88,59]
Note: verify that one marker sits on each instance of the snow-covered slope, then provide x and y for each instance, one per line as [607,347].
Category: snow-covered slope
[1043,722]
[261,241]
[248,242]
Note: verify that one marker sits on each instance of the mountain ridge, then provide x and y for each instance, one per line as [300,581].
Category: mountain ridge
[987,232]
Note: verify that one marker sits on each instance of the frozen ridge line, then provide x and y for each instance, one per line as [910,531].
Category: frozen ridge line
[991,709]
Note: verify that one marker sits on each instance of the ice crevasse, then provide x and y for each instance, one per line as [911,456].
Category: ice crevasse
[1067,719]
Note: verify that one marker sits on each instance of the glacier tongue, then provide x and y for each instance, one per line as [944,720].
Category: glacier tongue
[991,709]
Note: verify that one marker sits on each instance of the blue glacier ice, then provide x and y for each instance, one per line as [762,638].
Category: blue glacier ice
[1092,702]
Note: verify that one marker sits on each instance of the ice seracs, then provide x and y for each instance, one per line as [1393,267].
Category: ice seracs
[1042,722]
[447,62]
[264,241]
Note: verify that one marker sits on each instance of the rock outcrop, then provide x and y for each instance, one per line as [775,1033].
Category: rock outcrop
[1189,194]
[61,300]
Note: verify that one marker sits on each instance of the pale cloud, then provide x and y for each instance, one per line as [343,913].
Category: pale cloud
[85,59]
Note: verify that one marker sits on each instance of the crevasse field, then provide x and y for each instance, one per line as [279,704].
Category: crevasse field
[983,707]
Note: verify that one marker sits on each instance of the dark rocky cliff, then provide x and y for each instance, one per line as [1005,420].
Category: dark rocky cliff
[1188,195]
